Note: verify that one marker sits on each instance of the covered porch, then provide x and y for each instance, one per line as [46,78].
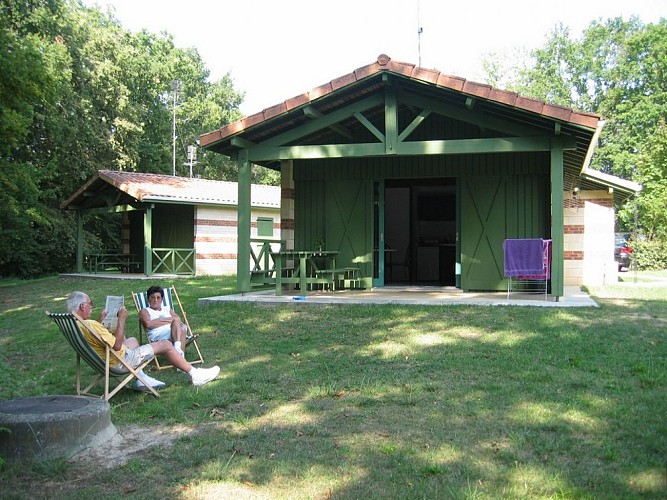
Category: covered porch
[414,177]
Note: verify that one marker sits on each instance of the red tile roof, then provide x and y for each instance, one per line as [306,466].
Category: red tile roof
[385,64]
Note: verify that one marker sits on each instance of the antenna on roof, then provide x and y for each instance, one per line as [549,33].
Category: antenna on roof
[420,30]
[192,157]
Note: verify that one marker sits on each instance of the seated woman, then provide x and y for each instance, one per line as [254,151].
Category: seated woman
[162,323]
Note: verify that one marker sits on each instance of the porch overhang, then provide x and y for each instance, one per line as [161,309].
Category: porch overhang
[381,110]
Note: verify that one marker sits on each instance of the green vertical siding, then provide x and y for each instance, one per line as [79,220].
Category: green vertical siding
[483,226]
[349,224]
[173,226]
[310,214]
[513,188]
[137,236]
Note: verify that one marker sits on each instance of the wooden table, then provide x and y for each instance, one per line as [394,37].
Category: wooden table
[123,262]
[309,267]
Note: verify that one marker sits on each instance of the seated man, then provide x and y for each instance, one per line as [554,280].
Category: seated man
[129,348]
[162,323]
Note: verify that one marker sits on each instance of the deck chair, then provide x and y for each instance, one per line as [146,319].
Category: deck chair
[141,301]
[122,372]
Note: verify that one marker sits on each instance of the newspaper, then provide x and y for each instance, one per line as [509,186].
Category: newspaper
[113,305]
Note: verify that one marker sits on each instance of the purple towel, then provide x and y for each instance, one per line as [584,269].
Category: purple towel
[524,257]
[546,256]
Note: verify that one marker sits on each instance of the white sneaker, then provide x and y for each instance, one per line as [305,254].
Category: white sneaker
[201,376]
[154,383]
[180,351]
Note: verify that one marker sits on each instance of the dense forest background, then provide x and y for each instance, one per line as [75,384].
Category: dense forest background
[618,70]
[80,93]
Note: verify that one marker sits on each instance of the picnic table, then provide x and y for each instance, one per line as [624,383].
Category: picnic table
[309,268]
[112,261]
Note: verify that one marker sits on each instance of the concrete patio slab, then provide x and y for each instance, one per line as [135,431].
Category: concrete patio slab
[410,295]
[407,295]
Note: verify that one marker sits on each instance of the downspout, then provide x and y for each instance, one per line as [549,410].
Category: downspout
[591,147]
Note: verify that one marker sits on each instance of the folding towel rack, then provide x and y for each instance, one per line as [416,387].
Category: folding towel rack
[527,265]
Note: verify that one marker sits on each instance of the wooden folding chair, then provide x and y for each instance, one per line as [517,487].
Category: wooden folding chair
[170,293]
[122,372]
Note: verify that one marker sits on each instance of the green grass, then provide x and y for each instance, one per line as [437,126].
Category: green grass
[371,401]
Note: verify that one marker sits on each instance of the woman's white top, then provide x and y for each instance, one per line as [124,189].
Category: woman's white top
[163,312]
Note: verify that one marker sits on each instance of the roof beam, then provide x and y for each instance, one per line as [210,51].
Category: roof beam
[312,113]
[324,122]
[390,119]
[315,151]
[104,210]
[413,126]
[372,128]
[445,147]
[476,146]
[473,116]
[241,142]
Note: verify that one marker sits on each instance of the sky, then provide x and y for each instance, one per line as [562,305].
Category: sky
[275,50]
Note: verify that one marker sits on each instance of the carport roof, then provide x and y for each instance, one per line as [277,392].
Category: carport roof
[109,188]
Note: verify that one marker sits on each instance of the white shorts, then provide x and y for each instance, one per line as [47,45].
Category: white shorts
[163,333]
[134,357]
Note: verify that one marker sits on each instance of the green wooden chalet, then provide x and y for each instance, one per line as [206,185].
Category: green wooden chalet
[414,176]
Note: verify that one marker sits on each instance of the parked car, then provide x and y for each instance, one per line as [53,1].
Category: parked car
[622,250]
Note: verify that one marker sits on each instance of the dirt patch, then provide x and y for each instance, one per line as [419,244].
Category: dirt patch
[130,441]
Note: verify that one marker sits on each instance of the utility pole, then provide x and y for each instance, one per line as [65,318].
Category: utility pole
[175,87]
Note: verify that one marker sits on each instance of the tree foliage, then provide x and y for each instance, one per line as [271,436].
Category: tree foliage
[617,69]
[80,93]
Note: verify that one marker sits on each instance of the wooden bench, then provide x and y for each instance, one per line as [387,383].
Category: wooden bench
[122,262]
[343,277]
[267,276]
[262,276]
[303,268]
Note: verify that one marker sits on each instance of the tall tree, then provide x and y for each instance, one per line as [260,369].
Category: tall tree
[34,65]
[616,69]
[80,93]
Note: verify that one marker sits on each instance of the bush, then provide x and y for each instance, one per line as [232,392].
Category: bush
[38,248]
[649,255]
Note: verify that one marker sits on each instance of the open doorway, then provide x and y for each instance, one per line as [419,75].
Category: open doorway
[420,231]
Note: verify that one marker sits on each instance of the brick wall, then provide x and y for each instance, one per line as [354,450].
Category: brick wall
[287,203]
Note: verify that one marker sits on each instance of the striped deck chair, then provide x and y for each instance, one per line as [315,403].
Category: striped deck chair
[122,372]
[170,293]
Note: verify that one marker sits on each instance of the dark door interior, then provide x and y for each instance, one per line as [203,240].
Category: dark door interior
[420,231]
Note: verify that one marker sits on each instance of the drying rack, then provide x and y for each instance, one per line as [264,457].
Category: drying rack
[527,266]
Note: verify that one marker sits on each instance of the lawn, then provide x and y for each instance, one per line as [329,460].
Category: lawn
[378,401]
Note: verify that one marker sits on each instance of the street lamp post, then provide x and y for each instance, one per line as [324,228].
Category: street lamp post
[175,87]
